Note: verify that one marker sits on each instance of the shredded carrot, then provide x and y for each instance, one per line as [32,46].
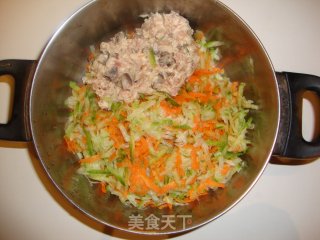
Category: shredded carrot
[102,115]
[196,122]
[194,79]
[115,133]
[213,149]
[170,110]
[218,105]
[90,159]
[140,182]
[112,156]
[142,150]
[125,163]
[193,180]
[194,96]
[159,167]
[192,195]
[194,157]
[123,114]
[202,96]
[226,168]
[137,184]
[116,137]
[154,142]
[166,188]
[206,126]
[150,183]
[71,145]
[103,186]
[179,163]
[208,89]
[201,72]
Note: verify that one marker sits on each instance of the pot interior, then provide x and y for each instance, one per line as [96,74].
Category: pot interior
[64,60]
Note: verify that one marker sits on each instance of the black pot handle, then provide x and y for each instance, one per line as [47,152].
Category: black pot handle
[17,129]
[290,143]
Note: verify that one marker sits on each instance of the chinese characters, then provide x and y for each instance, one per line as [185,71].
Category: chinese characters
[153,222]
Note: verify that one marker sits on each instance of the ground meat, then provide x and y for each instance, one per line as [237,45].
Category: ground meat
[159,56]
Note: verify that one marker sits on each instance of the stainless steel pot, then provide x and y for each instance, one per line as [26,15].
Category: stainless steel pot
[41,87]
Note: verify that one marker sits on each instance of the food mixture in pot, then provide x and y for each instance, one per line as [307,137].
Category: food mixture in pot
[156,121]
